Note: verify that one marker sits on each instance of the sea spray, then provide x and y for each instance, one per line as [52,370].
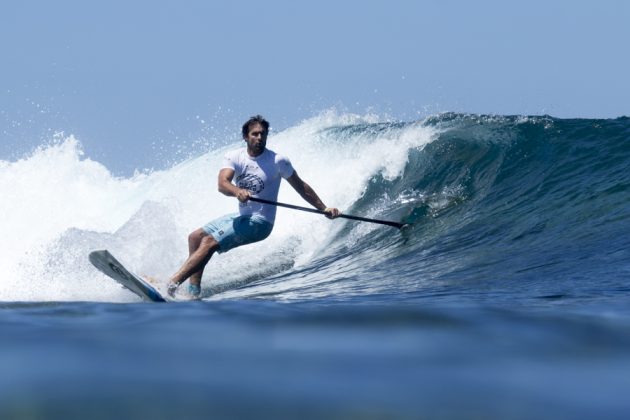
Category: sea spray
[58,205]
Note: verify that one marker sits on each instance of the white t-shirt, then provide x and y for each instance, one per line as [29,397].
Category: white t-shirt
[261,176]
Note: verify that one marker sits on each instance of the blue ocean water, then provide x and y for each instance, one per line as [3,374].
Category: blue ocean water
[507,295]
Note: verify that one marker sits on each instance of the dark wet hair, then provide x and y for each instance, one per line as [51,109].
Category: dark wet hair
[256,119]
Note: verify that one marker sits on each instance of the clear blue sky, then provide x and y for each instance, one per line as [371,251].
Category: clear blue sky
[128,78]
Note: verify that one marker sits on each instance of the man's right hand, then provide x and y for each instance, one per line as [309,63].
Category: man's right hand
[243,195]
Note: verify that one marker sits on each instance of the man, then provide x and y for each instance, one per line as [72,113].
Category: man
[258,173]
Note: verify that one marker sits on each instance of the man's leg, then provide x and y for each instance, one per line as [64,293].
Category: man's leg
[194,240]
[201,248]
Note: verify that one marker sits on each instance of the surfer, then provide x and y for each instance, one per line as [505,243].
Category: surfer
[256,172]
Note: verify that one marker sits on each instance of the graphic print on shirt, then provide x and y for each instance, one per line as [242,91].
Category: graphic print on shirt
[261,177]
[250,182]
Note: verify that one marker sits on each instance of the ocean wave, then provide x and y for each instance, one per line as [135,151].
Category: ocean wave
[521,202]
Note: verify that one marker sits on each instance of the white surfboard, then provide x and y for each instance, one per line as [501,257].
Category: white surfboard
[110,266]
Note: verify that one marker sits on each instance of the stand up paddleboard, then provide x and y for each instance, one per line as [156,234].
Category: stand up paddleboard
[108,265]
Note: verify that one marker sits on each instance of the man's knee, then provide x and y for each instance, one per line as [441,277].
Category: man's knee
[209,244]
[194,239]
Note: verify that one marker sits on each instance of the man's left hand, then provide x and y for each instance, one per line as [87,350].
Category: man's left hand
[332,212]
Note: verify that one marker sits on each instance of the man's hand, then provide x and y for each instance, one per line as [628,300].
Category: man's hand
[332,212]
[243,195]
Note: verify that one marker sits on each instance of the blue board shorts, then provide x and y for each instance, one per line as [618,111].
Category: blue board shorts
[234,230]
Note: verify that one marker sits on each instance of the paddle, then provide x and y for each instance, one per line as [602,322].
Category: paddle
[345,216]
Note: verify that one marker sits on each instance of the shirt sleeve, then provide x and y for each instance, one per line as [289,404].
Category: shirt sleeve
[229,161]
[284,167]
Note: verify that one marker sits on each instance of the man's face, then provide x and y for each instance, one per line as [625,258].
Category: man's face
[256,139]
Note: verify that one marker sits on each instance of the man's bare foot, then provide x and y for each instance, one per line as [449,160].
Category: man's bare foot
[171,289]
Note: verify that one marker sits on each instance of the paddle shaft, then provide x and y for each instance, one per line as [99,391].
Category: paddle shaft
[345,216]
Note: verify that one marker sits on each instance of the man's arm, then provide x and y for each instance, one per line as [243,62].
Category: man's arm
[308,194]
[226,187]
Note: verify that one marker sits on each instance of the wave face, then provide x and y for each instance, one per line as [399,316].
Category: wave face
[518,210]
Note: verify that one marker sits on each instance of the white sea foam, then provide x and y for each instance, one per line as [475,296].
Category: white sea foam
[57,205]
